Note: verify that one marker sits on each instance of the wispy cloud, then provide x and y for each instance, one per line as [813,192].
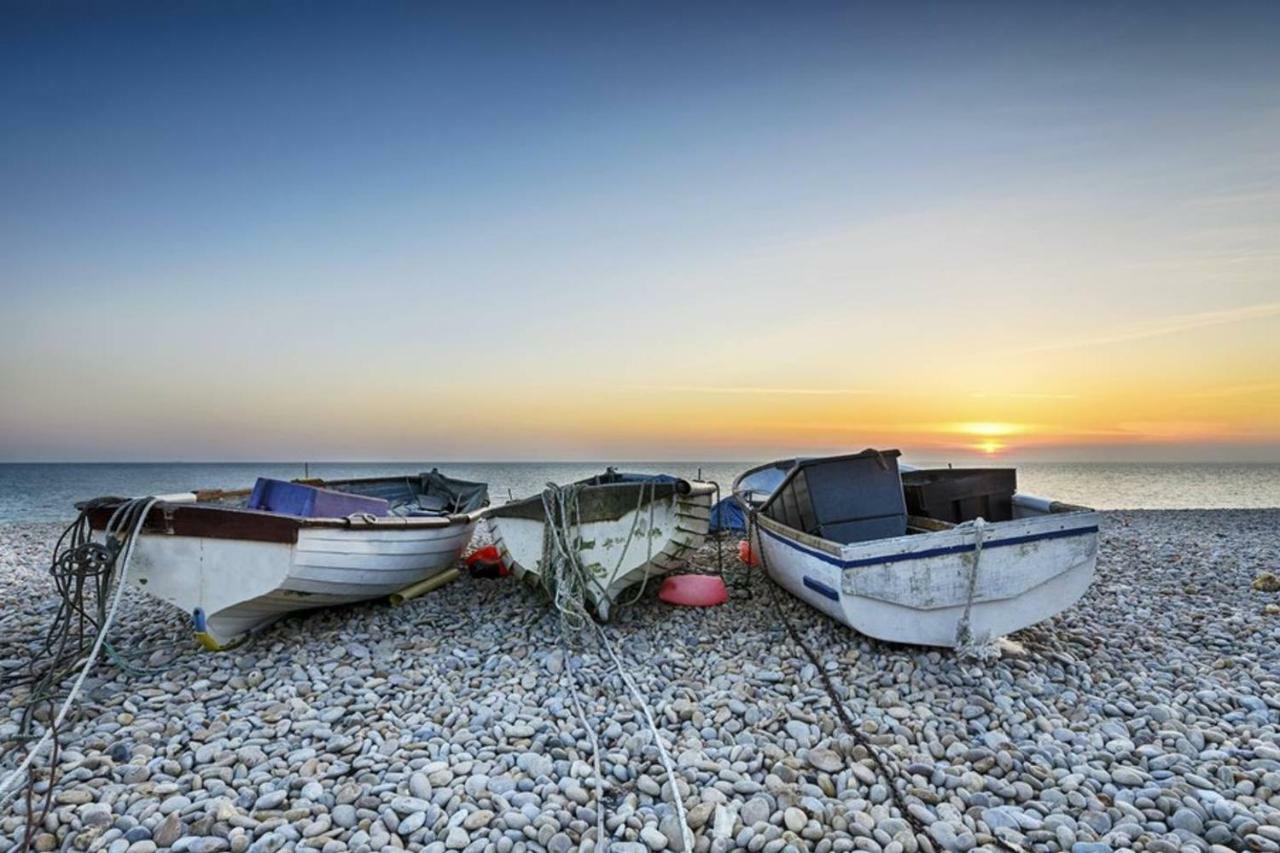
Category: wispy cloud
[739,389]
[1163,326]
[1234,390]
[1022,395]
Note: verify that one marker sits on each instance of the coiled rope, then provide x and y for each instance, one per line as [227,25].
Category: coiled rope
[78,563]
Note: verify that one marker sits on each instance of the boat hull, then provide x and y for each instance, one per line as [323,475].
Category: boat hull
[915,588]
[666,530]
[234,586]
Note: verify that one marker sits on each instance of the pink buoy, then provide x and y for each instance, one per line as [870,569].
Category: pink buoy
[694,590]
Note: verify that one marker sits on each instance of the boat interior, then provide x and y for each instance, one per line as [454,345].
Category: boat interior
[431,493]
[865,496]
[603,497]
[424,495]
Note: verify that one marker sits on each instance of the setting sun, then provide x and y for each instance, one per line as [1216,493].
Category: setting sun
[989,428]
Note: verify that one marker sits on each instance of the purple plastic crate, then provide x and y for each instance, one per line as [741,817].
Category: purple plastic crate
[310,502]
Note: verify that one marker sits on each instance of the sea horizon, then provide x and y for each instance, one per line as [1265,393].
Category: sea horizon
[48,491]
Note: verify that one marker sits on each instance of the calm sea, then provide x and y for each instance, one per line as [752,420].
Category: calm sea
[48,492]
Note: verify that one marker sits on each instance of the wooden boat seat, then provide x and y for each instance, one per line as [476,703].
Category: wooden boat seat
[924,524]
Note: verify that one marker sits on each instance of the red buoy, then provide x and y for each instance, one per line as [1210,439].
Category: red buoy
[694,590]
[746,555]
[486,562]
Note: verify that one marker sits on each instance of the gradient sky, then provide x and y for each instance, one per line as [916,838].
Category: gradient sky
[1037,231]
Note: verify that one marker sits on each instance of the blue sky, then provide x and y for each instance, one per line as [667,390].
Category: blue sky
[405,226]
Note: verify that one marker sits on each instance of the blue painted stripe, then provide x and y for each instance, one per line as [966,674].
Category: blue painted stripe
[821,588]
[931,552]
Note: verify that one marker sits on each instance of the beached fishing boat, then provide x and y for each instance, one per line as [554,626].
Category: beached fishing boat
[938,557]
[622,528]
[238,560]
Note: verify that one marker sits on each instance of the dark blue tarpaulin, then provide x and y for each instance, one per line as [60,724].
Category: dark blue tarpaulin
[727,515]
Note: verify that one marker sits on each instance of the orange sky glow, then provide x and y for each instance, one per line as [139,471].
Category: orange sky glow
[691,236]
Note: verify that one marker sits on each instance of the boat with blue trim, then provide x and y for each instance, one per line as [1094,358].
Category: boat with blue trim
[935,557]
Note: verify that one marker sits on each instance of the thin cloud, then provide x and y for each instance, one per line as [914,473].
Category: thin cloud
[739,389]
[1234,390]
[1168,326]
[1022,395]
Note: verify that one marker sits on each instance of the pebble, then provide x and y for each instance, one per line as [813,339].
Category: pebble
[1145,717]
[825,759]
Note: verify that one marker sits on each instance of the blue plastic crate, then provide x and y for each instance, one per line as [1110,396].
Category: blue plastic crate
[287,498]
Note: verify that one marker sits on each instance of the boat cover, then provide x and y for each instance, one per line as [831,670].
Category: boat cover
[854,498]
[727,516]
[427,494]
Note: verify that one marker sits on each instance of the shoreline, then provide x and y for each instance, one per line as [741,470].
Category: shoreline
[1147,716]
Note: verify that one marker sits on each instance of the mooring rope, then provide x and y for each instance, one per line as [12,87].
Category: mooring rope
[601,844]
[567,579]
[648,539]
[966,645]
[664,757]
[73,566]
[887,767]
[562,573]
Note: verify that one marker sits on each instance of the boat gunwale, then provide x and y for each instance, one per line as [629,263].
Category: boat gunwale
[890,549]
[860,553]
[530,508]
[206,519]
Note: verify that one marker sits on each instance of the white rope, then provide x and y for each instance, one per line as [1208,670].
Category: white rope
[20,771]
[685,833]
[966,645]
[563,574]
[595,744]
[567,578]
[648,539]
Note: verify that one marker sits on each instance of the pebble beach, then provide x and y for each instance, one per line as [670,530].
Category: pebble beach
[1147,717]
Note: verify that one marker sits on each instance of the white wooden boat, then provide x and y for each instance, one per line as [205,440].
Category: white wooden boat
[836,533]
[236,569]
[628,528]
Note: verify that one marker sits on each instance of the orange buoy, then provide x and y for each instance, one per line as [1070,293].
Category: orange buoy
[745,554]
[486,562]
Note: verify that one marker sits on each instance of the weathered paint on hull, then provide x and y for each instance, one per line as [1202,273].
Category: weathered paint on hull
[239,586]
[679,525]
[914,589]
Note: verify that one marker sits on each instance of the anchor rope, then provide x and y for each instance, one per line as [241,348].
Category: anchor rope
[887,767]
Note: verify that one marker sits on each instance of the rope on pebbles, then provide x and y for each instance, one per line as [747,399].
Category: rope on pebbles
[887,766]
[82,561]
[567,580]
